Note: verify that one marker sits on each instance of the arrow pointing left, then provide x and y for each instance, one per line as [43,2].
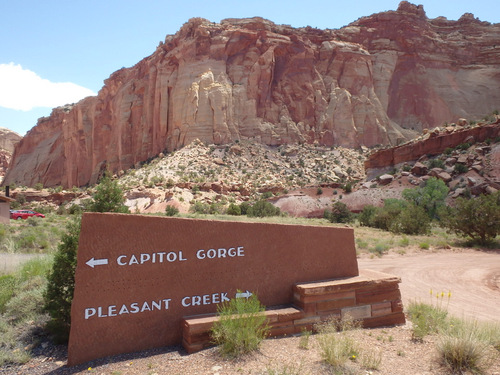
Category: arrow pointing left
[96,262]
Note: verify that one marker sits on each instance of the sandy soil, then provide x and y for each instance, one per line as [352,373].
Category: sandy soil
[472,277]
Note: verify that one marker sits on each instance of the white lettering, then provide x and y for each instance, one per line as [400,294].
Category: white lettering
[145,258]
[89,312]
[196,301]
[185,302]
[221,253]
[171,257]
[155,304]
[119,260]
[123,310]
[99,312]
[133,260]
[134,308]
[224,297]
[112,310]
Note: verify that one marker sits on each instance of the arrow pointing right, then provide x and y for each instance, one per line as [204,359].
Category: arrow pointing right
[246,295]
[96,262]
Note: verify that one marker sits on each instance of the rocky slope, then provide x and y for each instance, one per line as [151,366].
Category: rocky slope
[369,83]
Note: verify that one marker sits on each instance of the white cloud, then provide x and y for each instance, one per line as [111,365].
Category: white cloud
[23,90]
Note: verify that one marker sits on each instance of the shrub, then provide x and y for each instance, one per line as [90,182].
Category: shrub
[234,209]
[171,210]
[244,208]
[241,326]
[430,197]
[61,283]
[200,208]
[263,208]
[319,190]
[435,163]
[411,220]
[460,168]
[108,197]
[348,187]
[339,213]
[384,216]
[367,216]
[477,219]
[38,186]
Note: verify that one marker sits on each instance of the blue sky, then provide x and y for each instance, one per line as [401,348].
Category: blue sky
[57,52]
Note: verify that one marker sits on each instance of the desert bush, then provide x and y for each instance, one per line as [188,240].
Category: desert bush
[477,219]
[244,208]
[339,213]
[241,326]
[38,186]
[384,216]
[411,220]
[200,208]
[108,197]
[61,282]
[367,216]
[435,163]
[460,168]
[263,208]
[430,197]
[171,210]
[233,209]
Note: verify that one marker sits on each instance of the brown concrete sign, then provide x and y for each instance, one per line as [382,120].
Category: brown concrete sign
[137,276]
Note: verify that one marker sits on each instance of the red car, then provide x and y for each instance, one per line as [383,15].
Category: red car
[24,214]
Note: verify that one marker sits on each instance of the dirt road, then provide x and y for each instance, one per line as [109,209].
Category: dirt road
[472,277]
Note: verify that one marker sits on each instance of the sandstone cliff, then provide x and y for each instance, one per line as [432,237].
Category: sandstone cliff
[8,140]
[369,83]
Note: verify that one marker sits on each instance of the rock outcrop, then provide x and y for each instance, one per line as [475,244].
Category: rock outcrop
[369,83]
[8,140]
[431,144]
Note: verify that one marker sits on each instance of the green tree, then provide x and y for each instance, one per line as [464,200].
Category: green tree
[367,216]
[61,282]
[108,197]
[411,220]
[233,209]
[339,213]
[384,216]
[430,197]
[477,219]
[263,208]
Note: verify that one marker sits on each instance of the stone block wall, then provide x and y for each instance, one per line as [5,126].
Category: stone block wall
[373,298]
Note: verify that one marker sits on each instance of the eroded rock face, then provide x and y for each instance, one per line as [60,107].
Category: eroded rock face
[8,140]
[369,83]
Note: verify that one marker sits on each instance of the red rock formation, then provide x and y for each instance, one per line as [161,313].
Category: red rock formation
[8,140]
[252,79]
[432,145]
